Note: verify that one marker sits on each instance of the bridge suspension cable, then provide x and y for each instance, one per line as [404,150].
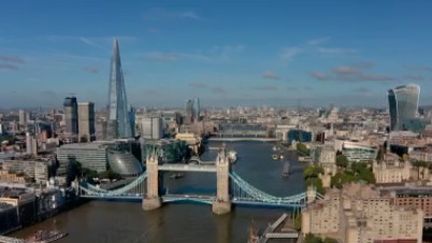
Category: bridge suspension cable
[260,195]
[127,189]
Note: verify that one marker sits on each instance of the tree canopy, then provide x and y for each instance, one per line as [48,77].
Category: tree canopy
[302,149]
[356,172]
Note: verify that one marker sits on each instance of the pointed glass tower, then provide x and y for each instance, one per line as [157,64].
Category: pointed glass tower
[118,120]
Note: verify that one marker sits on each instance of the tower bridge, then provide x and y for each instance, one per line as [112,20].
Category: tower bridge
[230,188]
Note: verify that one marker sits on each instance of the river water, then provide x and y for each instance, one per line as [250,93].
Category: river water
[113,222]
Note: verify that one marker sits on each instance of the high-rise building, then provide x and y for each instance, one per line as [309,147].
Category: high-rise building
[151,128]
[132,113]
[22,118]
[403,105]
[119,125]
[70,107]
[86,118]
[31,144]
[197,109]
[189,111]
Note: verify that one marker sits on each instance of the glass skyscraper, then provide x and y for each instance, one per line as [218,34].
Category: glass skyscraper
[70,107]
[119,125]
[196,109]
[403,106]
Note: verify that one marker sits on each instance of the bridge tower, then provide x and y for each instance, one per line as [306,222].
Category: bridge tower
[151,198]
[311,194]
[222,204]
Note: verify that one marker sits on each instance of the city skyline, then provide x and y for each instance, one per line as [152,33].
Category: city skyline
[225,53]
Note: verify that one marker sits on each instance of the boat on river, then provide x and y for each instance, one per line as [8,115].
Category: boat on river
[176,175]
[286,169]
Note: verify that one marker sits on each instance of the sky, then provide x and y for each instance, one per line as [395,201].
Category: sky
[227,52]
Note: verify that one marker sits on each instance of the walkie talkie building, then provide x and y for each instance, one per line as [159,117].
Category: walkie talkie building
[119,125]
[403,105]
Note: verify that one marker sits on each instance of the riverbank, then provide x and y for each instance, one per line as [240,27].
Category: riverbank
[107,221]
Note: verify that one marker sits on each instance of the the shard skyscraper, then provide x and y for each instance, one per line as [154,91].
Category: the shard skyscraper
[119,125]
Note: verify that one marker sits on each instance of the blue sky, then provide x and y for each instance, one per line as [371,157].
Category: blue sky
[227,52]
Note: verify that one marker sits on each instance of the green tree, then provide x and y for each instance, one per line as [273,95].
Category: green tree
[297,221]
[311,238]
[329,240]
[311,175]
[302,149]
[363,172]
[342,161]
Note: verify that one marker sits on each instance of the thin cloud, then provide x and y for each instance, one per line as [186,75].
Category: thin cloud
[198,85]
[288,54]
[161,56]
[336,50]
[318,41]
[266,88]
[12,59]
[362,90]
[90,69]
[350,73]
[218,90]
[161,14]
[210,88]
[92,43]
[189,15]
[8,66]
[213,54]
[151,92]
[419,68]
[415,77]
[270,75]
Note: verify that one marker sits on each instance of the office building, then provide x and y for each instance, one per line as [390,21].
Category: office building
[119,125]
[70,107]
[90,155]
[197,109]
[86,124]
[359,152]
[98,156]
[189,112]
[22,119]
[151,127]
[403,106]
[31,144]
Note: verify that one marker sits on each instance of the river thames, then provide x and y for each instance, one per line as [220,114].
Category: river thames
[113,222]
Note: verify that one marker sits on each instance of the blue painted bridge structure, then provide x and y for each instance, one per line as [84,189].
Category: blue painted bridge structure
[230,189]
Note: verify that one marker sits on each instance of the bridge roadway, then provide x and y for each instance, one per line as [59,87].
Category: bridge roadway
[6,239]
[187,167]
[241,139]
[206,199]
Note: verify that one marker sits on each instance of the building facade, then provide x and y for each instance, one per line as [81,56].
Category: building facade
[119,125]
[70,107]
[86,118]
[359,214]
[403,105]
[151,127]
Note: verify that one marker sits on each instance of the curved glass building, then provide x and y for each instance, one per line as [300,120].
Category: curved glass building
[124,163]
[403,105]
